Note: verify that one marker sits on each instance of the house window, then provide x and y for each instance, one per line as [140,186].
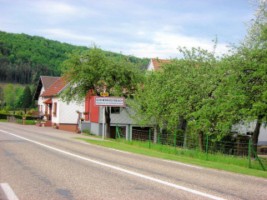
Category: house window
[115,110]
[55,110]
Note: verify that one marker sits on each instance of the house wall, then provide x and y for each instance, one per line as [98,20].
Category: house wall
[92,109]
[68,112]
[123,117]
[263,135]
[150,66]
[246,127]
[41,105]
[66,116]
[94,128]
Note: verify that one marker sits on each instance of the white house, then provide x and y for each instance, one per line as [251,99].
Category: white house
[56,112]
[44,83]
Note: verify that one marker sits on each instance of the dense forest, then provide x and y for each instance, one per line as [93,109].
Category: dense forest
[24,58]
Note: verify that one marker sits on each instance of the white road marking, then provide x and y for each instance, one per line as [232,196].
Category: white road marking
[120,169]
[183,164]
[9,193]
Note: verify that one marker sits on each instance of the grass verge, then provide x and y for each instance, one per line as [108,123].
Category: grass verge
[215,161]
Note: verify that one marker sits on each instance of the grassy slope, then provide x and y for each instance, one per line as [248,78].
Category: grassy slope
[219,162]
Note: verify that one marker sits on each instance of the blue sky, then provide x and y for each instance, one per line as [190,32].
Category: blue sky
[143,28]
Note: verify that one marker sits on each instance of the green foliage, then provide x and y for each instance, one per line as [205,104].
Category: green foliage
[197,88]
[250,67]
[24,58]
[1,97]
[93,70]
[16,96]
[12,95]
[209,93]
[26,98]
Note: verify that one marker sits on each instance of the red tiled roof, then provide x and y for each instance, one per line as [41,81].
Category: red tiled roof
[55,88]
[158,62]
[47,81]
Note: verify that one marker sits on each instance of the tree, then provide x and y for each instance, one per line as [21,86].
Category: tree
[251,70]
[195,94]
[9,95]
[1,97]
[93,70]
[25,100]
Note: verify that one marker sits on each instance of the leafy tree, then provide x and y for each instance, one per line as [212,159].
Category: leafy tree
[93,70]
[195,94]
[250,64]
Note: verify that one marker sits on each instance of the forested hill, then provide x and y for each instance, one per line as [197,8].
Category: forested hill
[24,58]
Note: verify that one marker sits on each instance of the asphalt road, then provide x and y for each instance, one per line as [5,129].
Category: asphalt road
[45,163]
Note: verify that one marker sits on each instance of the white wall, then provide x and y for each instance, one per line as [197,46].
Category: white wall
[41,105]
[150,66]
[245,127]
[67,113]
[263,134]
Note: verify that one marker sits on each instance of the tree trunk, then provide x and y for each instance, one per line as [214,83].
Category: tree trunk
[155,137]
[201,140]
[182,123]
[182,126]
[256,133]
[107,116]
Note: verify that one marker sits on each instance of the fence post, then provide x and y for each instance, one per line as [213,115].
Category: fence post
[117,132]
[149,138]
[175,137]
[207,146]
[249,152]
[257,157]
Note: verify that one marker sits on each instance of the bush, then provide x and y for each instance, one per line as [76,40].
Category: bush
[3,116]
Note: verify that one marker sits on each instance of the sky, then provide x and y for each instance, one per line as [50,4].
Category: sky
[142,28]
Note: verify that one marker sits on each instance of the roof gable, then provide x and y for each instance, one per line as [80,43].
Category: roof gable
[44,82]
[47,81]
[155,64]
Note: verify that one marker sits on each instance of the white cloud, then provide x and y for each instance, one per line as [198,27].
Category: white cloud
[165,45]
[68,36]
[56,12]
[55,8]
[151,28]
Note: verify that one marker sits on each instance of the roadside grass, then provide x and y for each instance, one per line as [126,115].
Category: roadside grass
[216,161]
[27,122]
[19,121]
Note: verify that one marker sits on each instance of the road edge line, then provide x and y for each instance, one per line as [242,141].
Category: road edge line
[156,180]
[9,193]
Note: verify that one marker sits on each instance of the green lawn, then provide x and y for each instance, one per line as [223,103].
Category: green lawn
[215,161]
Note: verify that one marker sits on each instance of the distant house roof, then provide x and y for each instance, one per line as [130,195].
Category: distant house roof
[55,88]
[46,82]
[156,63]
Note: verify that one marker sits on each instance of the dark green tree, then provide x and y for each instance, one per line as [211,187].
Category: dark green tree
[26,98]
[1,97]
